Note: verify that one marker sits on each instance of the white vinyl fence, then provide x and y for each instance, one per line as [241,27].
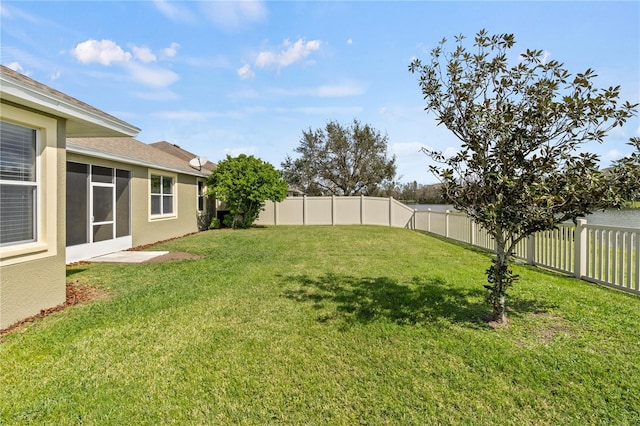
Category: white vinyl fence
[601,254]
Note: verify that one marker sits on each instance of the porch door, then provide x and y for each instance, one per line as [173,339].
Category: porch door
[102,204]
[98,211]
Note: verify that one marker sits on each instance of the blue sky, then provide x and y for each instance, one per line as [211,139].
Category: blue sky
[222,78]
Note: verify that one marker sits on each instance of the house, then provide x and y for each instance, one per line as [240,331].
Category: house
[122,193]
[75,184]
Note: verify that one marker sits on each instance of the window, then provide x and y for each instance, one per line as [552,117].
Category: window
[161,195]
[18,184]
[201,196]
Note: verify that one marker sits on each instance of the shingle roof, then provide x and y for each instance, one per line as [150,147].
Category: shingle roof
[83,117]
[182,153]
[132,151]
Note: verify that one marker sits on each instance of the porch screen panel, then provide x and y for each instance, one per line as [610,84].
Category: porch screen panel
[101,174]
[77,206]
[102,232]
[123,203]
[102,204]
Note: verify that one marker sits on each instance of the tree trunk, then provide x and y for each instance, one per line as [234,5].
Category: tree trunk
[500,278]
[499,311]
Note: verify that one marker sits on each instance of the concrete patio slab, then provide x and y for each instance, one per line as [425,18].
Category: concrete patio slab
[128,256]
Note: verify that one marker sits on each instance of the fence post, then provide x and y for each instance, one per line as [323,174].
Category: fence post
[428,220]
[275,213]
[446,224]
[581,249]
[304,209]
[390,211]
[531,249]
[472,237]
[333,210]
[361,209]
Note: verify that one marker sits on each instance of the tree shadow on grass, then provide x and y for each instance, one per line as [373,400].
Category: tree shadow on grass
[422,300]
[363,300]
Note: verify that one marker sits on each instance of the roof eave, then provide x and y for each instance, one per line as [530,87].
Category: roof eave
[81,122]
[76,149]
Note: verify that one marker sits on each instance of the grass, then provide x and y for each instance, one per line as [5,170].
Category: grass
[324,325]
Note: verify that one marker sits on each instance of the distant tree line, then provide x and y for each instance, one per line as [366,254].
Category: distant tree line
[413,192]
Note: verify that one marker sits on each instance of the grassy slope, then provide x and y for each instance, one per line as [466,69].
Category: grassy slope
[325,325]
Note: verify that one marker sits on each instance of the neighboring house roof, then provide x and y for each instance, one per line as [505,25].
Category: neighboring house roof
[185,155]
[131,151]
[82,119]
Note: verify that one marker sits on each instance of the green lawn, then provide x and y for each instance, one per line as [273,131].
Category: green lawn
[324,325]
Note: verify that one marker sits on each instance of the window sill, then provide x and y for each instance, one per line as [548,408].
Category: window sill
[23,252]
[155,218]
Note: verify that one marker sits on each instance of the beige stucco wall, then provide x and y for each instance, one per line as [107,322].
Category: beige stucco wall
[146,229]
[32,276]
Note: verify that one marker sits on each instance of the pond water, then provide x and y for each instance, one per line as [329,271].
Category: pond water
[626,218]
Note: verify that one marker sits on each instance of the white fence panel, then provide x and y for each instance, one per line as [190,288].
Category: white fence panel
[401,216]
[459,227]
[290,211]
[348,211]
[613,257]
[319,210]
[555,249]
[438,222]
[376,211]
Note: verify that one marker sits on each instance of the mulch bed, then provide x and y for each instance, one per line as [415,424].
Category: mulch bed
[76,294]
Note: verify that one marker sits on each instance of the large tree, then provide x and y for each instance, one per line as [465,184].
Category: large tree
[244,183]
[625,173]
[522,166]
[340,160]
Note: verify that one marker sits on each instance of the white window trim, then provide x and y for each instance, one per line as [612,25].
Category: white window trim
[47,190]
[204,196]
[174,177]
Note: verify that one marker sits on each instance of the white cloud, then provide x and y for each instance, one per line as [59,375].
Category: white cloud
[187,115]
[407,149]
[171,51]
[612,155]
[349,41]
[137,64]
[143,54]
[324,91]
[322,111]
[245,72]
[233,15]
[152,76]
[16,67]
[10,12]
[162,95]
[386,112]
[347,89]
[450,151]
[174,11]
[104,52]
[288,53]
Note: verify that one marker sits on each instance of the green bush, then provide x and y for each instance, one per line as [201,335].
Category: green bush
[215,223]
